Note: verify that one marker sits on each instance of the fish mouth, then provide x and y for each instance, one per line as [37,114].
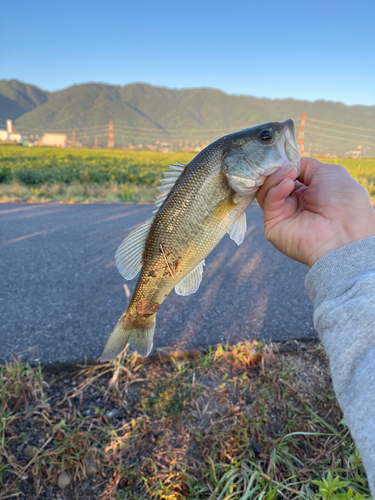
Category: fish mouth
[288,124]
[290,134]
[287,149]
[283,153]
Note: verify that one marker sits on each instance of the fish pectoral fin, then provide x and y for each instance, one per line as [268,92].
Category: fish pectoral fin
[191,282]
[238,230]
[139,337]
[129,253]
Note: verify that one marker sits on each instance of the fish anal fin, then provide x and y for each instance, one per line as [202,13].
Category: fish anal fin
[129,253]
[191,282]
[238,230]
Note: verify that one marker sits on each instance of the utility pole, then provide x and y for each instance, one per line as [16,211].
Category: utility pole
[301,136]
[73,138]
[9,128]
[96,142]
[111,142]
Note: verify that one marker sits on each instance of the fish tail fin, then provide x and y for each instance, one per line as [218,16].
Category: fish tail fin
[140,337]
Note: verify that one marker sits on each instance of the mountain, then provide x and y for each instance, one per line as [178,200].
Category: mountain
[17,98]
[145,114]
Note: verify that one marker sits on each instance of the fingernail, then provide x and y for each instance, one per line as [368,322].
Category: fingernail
[290,169]
[285,170]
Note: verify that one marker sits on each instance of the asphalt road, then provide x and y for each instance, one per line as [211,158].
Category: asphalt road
[61,293]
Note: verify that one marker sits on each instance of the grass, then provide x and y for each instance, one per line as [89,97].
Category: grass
[362,170]
[241,422]
[77,192]
[103,175]
[46,174]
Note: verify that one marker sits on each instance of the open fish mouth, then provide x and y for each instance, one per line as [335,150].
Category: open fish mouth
[248,172]
[288,151]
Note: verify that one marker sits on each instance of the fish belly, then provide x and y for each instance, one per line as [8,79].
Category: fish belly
[168,261]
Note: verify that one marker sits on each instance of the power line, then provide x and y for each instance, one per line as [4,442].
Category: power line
[339,125]
[146,134]
[338,138]
[63,130]
[342,132]
[165,130]
[141,129]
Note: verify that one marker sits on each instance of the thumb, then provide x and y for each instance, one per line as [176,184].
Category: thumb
[274,180]
[275,203]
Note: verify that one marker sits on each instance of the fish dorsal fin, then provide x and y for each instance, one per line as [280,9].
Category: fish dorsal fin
[191,282]
[238,230]
[167,183]
[129,253]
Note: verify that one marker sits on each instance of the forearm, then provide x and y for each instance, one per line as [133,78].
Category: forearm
[342,286]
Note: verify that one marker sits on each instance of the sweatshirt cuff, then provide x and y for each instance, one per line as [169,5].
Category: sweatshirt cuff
[335,273]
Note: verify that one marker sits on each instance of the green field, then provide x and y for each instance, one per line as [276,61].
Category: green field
[78,175]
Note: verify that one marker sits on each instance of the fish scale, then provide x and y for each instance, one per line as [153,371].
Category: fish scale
[207,200]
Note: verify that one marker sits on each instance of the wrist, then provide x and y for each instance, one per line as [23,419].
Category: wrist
[345,236]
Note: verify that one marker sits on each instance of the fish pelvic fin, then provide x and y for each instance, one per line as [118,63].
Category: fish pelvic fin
[238,230]
[191,282]
[140,337]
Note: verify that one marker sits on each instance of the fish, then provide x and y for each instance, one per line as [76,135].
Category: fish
[199,203]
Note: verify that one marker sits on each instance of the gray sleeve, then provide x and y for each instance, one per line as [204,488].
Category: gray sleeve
[342,287]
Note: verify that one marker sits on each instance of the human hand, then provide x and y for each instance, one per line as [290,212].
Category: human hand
[323,210]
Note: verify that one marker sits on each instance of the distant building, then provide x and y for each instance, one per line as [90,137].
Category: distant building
[3,135]
[57,140]
[9,134]
[15,138]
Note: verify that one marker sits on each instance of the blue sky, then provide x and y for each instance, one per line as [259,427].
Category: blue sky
[305,50]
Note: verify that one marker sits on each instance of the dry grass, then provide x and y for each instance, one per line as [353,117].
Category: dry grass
[76,192]
[245,422]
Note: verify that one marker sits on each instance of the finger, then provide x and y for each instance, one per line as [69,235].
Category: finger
[275,199]
[297,185]
[274,179]
[309,166]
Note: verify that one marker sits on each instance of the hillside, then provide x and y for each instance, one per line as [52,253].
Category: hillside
[145,114]
[17,98]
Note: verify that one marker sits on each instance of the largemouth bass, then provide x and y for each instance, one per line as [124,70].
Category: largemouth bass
[199,203]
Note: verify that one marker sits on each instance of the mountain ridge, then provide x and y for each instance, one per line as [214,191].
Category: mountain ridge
[144,113]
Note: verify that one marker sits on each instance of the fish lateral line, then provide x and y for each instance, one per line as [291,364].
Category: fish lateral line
[145,253]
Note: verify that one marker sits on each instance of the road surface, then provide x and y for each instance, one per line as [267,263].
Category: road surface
[61,293]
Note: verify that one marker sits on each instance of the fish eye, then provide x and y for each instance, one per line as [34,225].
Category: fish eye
[266,136]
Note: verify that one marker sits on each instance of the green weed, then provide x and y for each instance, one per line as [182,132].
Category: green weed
[238,422]
[46,174]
